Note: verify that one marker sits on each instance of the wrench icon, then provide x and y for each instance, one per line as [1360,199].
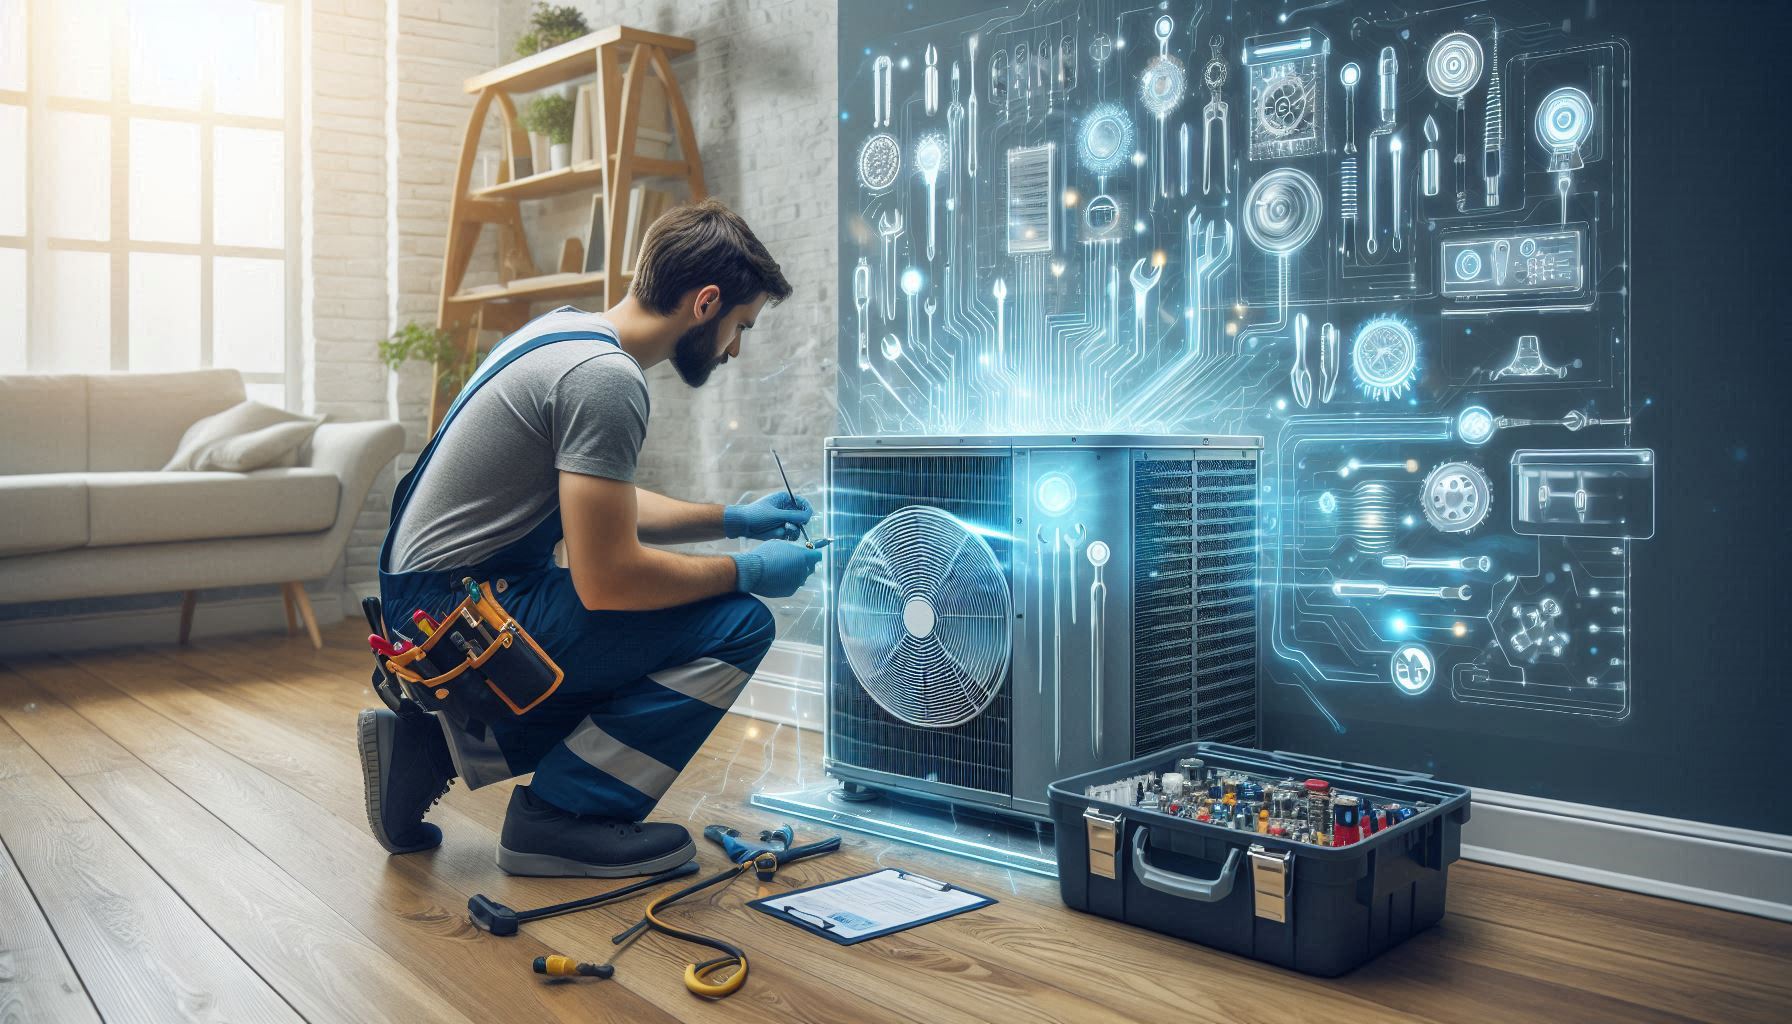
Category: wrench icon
[889,225]
[1142,283]
[861,298]
[1214,75]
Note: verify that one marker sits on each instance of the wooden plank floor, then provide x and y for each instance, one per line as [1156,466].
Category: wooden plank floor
[182,837]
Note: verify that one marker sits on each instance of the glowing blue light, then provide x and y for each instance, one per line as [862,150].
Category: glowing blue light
[1474,425]
[1105,138]
[1055,494]
[1399,625]
[1328,503]
[1385,356]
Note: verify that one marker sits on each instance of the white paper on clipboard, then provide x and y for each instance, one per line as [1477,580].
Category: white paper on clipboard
[883,901]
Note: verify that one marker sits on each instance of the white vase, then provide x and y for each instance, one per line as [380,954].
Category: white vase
[560,155]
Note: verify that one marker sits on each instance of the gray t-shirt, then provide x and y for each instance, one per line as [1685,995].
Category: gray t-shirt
[575,405]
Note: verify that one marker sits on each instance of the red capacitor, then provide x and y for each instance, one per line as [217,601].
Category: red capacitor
[1346,820]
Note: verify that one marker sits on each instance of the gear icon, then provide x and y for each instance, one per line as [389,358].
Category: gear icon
[1385,356]
[1285,105]
[1456,496]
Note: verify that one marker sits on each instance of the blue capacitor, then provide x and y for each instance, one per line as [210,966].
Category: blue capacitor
[1404,813]
[1216,791]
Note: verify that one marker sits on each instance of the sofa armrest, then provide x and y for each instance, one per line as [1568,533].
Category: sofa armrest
[355,453]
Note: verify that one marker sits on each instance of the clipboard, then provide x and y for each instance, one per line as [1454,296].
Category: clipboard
[840,928]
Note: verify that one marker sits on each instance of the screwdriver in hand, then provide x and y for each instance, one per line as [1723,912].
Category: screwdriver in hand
[787,490]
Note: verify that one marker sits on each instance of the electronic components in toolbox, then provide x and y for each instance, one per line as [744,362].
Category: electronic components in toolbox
[1303,810]
[1302,862]
[1509,263]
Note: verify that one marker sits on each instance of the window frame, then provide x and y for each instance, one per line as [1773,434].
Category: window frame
[120,111]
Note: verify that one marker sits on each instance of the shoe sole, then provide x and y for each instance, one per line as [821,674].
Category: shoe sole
[542,865]
[375,732]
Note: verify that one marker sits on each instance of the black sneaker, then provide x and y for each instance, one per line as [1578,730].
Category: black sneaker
[406,768]
[541,839]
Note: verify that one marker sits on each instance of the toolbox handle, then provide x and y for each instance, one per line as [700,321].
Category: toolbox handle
[1207,890]
[1324,764]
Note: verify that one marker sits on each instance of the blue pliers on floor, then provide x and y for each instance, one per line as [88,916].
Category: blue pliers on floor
[775,848]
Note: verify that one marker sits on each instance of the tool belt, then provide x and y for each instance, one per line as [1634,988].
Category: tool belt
[495,656]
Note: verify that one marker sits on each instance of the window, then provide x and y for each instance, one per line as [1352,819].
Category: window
[149,188]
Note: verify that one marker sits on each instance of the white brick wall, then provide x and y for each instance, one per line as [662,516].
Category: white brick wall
[761,88]
[385,116]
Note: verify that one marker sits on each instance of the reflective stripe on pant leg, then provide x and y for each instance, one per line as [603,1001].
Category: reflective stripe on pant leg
[713,682]
[672,710]
[597,748]
[660,718]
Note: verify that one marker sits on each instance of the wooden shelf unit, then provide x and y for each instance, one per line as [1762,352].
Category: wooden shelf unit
[620,59]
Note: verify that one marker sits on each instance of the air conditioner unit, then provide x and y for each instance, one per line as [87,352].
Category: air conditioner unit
[1007,611]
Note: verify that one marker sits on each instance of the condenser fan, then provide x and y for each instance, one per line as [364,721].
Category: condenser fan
[924,618]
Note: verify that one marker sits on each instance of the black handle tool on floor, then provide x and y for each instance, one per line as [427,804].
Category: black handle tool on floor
[491,916]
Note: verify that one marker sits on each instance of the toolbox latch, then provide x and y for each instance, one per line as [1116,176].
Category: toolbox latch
[1104,842]
[1272,877]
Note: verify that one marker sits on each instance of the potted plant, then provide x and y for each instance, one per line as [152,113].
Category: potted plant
[549,26]
[551,114]
[416,343]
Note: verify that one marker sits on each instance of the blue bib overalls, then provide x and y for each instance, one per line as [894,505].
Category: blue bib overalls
[642,689]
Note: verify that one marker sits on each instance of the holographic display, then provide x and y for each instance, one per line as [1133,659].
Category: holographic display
[1410,276]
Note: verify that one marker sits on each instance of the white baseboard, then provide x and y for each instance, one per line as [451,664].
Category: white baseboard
[787,687]
[99,630]
[1712,865]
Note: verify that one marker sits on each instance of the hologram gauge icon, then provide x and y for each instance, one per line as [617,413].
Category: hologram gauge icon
[880,162]
[1283,211]
[1105,140]
[1385,356]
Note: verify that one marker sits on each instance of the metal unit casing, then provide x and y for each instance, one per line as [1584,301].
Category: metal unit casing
[1154,646]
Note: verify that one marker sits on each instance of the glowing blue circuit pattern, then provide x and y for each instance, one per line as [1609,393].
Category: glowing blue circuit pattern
[1393,242]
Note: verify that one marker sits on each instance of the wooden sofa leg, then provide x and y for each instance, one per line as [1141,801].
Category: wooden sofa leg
[295,596]
[187,601]
[292,621]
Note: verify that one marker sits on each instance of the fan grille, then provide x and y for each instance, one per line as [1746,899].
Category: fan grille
[1195,602]
[865,489]
[924,618]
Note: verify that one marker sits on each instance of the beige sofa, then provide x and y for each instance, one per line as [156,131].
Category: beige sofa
[86,511]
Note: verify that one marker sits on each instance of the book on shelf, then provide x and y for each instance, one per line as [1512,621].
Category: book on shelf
[596,242]
[584,122]
[520,164]
[538,152]
[653,131]
[645,205]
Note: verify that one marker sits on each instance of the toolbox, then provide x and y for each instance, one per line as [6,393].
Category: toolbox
[1317,909]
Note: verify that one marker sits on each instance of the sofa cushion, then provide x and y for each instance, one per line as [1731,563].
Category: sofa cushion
[43,423]
[135,420]
[243,438]
[145,508]
[42,512]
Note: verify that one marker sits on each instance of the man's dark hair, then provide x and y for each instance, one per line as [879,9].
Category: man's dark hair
[701,244]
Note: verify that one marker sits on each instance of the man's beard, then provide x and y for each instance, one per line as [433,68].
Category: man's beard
[695,356]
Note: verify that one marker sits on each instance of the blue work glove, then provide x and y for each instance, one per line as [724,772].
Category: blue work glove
[776,516]
[776,568]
